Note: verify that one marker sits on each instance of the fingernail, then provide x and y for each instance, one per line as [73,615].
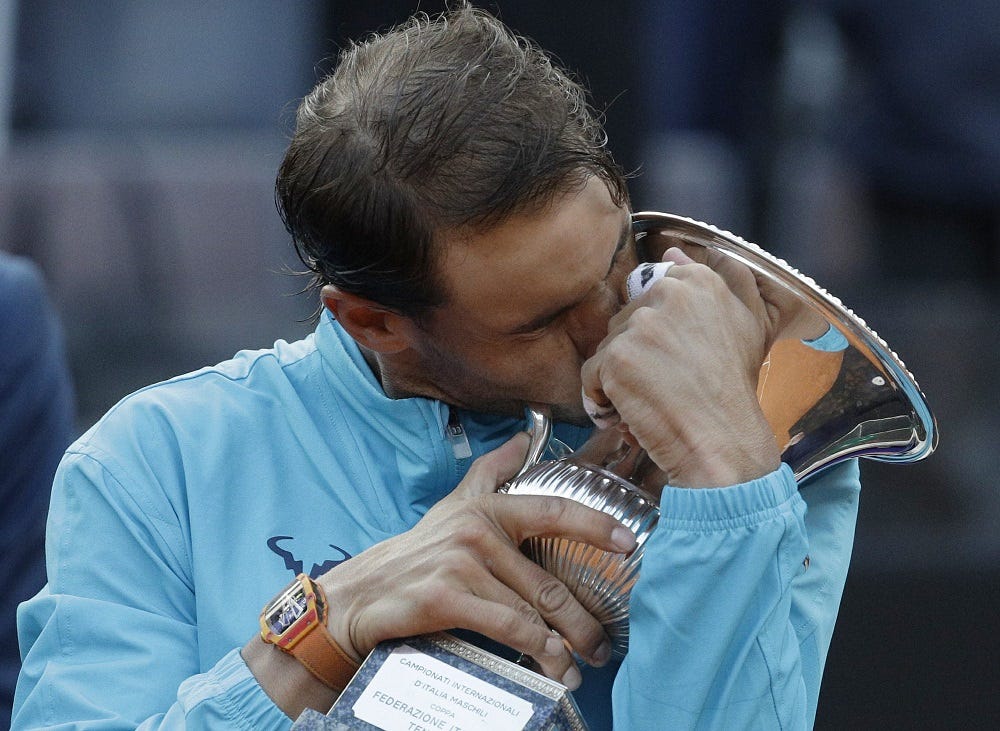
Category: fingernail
[554,646]
[572,678]
[623,539]
[602,654]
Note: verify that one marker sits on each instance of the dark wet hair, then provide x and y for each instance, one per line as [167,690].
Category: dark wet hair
[441,123]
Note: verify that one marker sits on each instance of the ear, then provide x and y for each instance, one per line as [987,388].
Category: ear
[371,325]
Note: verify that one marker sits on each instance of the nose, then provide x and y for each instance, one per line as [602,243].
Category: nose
[588,324]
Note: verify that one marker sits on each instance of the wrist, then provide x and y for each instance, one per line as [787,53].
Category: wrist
[286,681]
[338,622]
[724,471]
[297,662]
[721,458]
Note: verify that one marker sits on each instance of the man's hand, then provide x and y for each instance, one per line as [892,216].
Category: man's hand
[785,314]
[680,365]
[460,567]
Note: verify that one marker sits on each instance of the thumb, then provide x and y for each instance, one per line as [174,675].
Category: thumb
[496,467]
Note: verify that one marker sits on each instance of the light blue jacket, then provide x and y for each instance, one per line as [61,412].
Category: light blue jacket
[192,502]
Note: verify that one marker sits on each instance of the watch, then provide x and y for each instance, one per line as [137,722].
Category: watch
[295,622]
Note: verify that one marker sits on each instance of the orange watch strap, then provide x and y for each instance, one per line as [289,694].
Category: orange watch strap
[320,653]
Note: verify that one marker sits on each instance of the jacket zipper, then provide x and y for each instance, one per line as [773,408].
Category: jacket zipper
[457,437]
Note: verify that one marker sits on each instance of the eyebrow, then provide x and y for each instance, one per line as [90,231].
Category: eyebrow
[623,240]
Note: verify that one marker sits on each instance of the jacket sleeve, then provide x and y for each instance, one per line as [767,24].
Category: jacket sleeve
[733,613]
[111,642]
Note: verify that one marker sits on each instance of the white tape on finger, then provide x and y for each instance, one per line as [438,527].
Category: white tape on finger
[603,417]
[644,276]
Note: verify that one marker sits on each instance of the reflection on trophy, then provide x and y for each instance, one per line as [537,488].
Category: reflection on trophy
[830,388]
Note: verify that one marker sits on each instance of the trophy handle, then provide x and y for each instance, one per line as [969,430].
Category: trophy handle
[540,429]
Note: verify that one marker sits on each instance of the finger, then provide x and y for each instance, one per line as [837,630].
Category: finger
[569,675]
[734,273]
[595,401]
[528,516]
[721,275]
[640,281]
[750,288]
[644,276]
[524,516]
[511,622]
[554,659]
[741,281]
[496,467]
[557,606]
[538,596]
[676,256]
[511,627]
[602,412]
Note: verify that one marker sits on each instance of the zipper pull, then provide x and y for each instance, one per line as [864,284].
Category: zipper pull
[456,436]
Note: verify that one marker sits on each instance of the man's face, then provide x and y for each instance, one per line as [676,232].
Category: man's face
[527,302]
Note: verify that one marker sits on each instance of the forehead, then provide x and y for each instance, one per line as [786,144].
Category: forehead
[505,276]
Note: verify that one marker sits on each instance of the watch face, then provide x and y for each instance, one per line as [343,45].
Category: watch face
[286,608]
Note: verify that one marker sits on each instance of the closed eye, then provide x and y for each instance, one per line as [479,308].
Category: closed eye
[536,327]
[539,326]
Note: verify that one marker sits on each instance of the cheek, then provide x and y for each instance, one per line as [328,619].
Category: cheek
[546,369]
[555,370]
[587,326]
[535,360]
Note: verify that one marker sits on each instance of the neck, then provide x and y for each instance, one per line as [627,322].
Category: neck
[371,358]
[382,368]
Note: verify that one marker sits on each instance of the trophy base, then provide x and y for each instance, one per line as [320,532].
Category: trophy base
[441,683]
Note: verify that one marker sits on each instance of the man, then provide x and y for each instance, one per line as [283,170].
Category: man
[470,236]
[36,425]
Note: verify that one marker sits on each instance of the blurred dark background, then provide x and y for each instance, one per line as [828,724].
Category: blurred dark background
[859,140]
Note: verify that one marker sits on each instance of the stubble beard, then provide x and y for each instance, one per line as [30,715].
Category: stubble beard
[461,385]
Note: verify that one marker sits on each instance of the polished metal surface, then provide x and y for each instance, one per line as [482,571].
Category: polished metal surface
[824,407]
[844,397]
[601,581]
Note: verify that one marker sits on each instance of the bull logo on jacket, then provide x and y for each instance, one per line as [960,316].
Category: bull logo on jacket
[282,546]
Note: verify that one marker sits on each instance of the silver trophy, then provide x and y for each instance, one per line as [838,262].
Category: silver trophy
[843,395]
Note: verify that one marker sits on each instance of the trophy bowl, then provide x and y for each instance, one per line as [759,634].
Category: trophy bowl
[837,394]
